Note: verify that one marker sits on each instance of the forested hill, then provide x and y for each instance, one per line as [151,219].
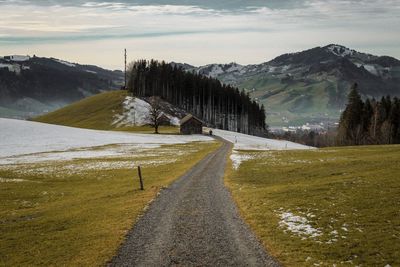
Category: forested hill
[219,105]
[34,85]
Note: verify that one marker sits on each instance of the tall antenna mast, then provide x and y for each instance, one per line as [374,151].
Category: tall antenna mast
[125,70]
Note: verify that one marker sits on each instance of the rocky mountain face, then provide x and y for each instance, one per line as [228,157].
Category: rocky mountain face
[32,85]
[312,85]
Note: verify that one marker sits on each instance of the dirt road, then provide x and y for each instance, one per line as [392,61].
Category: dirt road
[194,223]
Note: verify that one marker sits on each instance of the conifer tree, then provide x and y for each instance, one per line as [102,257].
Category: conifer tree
[220,105]
[372,122]
[350,127]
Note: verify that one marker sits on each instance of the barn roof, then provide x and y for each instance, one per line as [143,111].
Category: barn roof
[188,118]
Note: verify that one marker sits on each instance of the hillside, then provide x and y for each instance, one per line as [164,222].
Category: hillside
[312,85]
[30,86]
[339,209]
[114,110]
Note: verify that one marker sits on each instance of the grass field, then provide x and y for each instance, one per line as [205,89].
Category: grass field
[95,112]
[328,207]
[76,212]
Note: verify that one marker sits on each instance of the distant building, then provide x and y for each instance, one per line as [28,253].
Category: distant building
[191,125]
[17,58]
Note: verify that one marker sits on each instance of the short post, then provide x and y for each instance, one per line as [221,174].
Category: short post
[140,178]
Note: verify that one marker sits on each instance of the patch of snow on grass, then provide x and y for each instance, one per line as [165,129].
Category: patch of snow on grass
[298,225]
[237,158]
[91,71]
[136,113]
[371,69]
[12,180]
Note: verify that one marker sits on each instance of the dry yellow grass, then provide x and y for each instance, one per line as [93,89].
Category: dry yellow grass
[348,197]
[98,112]
[66,214]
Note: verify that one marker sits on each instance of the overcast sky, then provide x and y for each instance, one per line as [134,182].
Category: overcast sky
[194,31]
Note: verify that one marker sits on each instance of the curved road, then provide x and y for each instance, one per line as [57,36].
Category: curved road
[194,222]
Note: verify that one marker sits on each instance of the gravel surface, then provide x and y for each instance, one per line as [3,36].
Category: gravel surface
[194,222]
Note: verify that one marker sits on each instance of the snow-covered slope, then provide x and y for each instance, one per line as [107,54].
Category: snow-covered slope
[136,112]
[249,142]
[19,137]
[243,142]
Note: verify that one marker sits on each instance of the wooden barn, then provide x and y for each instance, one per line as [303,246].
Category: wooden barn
[191,125]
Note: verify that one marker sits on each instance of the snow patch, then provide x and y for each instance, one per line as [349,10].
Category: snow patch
[371,69]
[237,158]
[298,225]
[285,68]
[69,64]
[234,67]
[340,51]
[136,112]
[215,71]
[250,142]
[90,71]
[12,67]
[20,138]
[18,58]
[12,180]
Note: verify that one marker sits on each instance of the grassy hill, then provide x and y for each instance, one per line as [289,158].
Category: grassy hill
[297,101]
[96,112]
[326,207]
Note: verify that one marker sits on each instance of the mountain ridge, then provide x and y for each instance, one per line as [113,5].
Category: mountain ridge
[30,86]
[296,88]
[310,85]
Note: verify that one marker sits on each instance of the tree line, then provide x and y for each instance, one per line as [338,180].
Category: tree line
[219,105]
[370,121]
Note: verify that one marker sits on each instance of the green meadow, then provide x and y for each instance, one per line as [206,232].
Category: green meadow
[326,207]
[77,212]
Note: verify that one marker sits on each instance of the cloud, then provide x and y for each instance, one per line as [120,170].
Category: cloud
[240,30]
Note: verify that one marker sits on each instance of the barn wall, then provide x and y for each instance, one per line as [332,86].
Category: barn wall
[192,126]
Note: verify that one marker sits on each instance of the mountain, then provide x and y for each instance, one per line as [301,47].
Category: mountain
[34,85]
[312,85]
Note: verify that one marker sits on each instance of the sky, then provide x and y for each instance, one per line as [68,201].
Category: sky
[197,32]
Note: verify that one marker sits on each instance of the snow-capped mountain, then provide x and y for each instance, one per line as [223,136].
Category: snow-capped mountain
[311,85]
[32,85]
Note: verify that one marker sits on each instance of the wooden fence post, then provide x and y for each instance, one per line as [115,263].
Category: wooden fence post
[140,178]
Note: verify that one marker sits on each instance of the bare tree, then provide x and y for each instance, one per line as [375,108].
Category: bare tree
[155,112]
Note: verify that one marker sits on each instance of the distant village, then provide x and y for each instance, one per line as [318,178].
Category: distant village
[321,127]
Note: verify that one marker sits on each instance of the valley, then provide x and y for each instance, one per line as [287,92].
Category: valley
[200,133]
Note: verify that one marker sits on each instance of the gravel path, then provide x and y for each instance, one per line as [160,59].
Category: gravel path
[194,222]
